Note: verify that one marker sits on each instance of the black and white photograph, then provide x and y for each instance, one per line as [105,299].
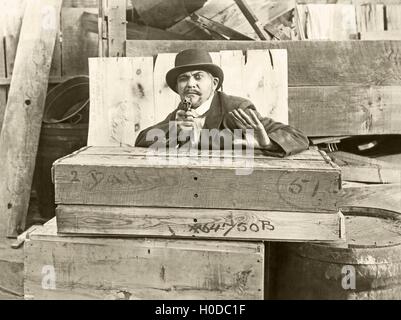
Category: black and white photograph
[186,151]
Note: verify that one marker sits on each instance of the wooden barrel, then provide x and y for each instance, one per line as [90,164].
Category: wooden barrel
[368,266]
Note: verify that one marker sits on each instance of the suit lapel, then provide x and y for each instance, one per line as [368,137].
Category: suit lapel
[214,116]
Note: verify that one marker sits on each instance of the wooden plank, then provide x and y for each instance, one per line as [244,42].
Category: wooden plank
[228,13]
[80,3]
[122,101]
[381,35]
[385,197]
[165,99]
[370,17]
[78,44]
[329,21]
[117,30]
[142,268]
[3,89]
[310,155]
[364,169]
[23,117]
[393,17]
[263,184]
[329,62]
[198,223]
[345,110]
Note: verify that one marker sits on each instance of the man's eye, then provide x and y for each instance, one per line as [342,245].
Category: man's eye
[198,76]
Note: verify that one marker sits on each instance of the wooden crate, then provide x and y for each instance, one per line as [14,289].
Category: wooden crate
[105,268]
[114,176]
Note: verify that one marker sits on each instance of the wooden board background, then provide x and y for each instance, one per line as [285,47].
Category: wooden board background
[142,268]
[130,94]
[362,79]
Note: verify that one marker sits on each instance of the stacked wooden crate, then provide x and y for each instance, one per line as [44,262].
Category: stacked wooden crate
[133,223]
[181,228]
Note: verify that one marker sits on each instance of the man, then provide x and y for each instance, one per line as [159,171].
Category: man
[197,80]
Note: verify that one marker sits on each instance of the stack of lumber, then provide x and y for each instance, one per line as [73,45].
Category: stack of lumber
[132,224]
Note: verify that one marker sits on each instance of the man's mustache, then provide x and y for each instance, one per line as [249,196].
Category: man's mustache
[192,92]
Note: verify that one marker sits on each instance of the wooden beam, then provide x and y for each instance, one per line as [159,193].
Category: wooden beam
[116,27]
[23,117]
[252,19]
[107,268]
[335,63]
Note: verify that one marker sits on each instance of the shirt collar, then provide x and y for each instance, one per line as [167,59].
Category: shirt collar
[204,107]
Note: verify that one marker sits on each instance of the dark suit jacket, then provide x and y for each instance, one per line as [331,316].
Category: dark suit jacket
[286,140]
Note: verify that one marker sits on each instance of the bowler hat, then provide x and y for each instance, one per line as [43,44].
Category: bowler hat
[193,59]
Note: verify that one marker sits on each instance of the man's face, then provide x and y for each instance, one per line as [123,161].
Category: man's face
[198,85]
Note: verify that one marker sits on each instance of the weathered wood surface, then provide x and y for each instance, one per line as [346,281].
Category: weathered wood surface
[364,169]
[3,89]
[386,197]
[328,21]
[11,270]
[23,117]
[381,35]
[117,29]
[122,101]
[310,154]
[310,63]
[197,182]
[107,268]
[370,17]
[343,110]
[394,17]
[130,94]
[199,223]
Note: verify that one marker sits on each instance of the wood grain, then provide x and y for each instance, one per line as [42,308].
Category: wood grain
[107,268]
[310,63]
[393,15]
[293,185]
[198,223]
[122,101]
[23,117]
[12,269]
[382,196]
[328,21]
[370,17]
[117,29]
[344,110]
[166,100]
[381,35]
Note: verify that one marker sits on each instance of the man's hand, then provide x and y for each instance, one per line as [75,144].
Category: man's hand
[249,120]
[185,120]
